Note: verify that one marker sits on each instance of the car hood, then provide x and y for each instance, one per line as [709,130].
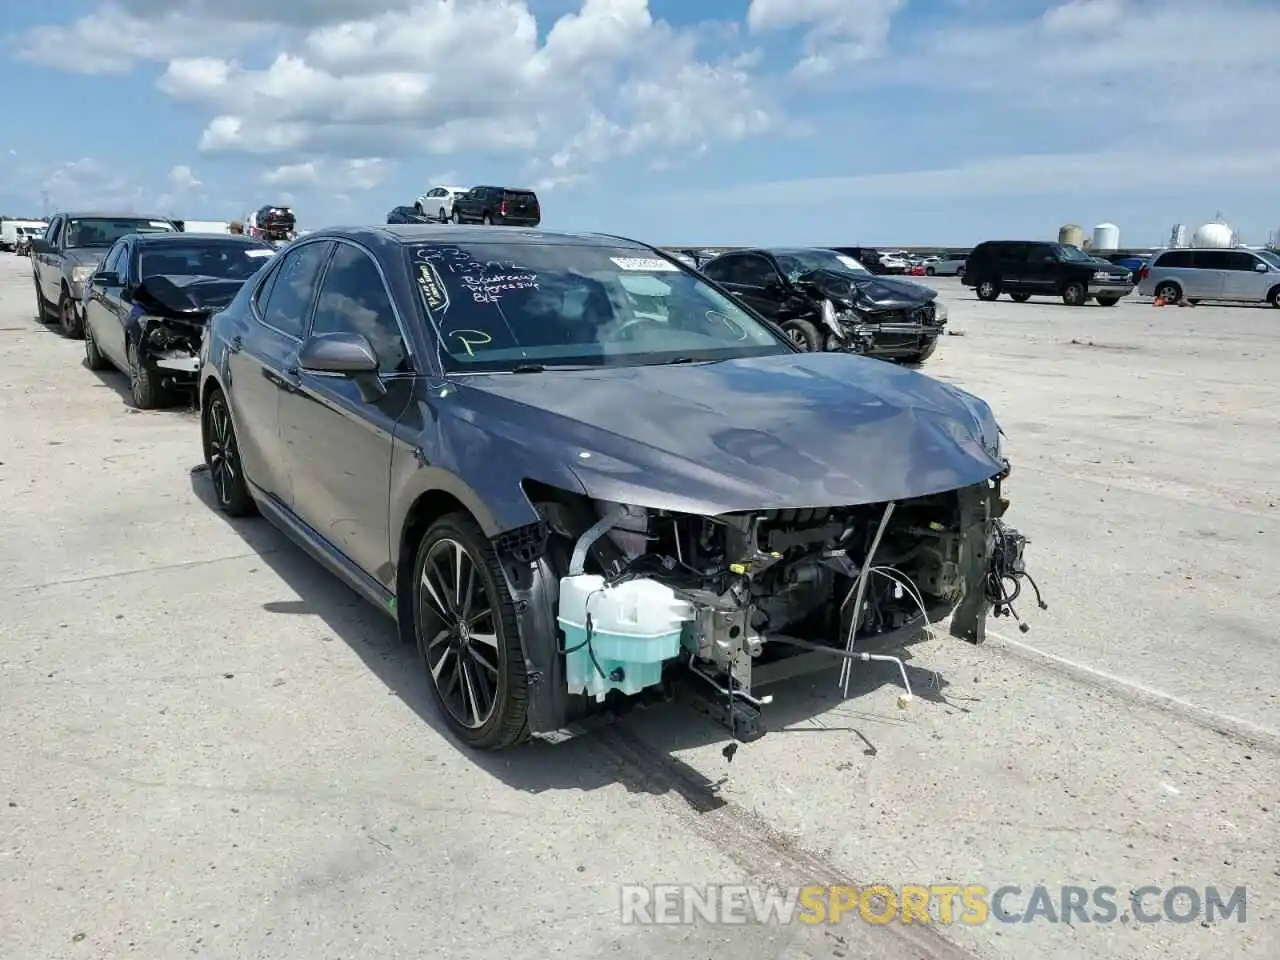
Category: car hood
[869,292]
[790,431]
[186,297]
[75,256]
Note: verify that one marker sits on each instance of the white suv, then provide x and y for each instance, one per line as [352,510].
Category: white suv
[437,202]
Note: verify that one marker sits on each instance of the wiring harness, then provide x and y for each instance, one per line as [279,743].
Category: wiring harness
[1006,572]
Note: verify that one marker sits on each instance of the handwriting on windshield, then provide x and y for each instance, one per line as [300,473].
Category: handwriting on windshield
[486,280]
[471,339]
[490,288]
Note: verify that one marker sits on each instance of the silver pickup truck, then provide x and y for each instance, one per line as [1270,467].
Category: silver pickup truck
[69,253]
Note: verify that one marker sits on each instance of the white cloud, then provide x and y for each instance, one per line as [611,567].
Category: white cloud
[181,177]
[443,77]
[839,32]
[357,174]
[112,40]
[88,184]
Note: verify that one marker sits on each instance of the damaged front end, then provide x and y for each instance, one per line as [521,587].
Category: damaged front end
[890,319]
[717,607]
[171,315]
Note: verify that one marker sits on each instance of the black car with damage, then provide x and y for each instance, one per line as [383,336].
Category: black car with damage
[827,301]
[147,306]
[63,260]
[578,474]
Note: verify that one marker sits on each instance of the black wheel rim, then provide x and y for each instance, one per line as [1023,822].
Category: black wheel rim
[221,453]
[986,289]
[68,316]
[135,374]
[458,633]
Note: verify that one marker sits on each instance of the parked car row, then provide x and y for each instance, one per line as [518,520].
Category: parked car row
[575,472]
[486,204]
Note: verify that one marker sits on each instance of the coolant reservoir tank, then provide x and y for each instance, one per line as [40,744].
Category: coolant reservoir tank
[635,627]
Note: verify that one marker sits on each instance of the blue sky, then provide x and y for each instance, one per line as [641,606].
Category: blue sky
[703,121]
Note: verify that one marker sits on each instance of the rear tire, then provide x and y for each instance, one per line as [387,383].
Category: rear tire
[1108,301]
[1074,294]
[929,271]
[487,221]
[444,217]
[44,313]
[988,290]
[468,636]
[1169,292]
[1020,297]
[803,334]
[222,457]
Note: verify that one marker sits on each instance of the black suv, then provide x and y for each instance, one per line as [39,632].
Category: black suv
[505,206]
[1027,268]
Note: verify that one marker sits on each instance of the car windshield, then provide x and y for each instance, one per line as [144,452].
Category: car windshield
[104,231]
[203,258]
[796,263]
[1270,256]
[497,306]
[1075,254]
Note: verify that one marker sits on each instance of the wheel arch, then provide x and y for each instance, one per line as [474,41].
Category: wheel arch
[1274,294]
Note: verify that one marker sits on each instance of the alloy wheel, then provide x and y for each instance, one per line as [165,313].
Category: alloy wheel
[458,615]
[797,337]
[986,288]
[221,452]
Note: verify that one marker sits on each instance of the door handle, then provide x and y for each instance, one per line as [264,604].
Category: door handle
[291,371]
[235,344]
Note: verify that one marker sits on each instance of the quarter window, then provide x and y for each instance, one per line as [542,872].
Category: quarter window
[286,304]
[1241,261]
[353,299]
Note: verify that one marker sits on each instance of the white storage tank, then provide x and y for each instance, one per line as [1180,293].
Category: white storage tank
[1216,234]
[1071,235]
[1106,236]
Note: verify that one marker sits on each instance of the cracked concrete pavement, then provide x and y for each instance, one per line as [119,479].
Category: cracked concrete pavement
[211,747]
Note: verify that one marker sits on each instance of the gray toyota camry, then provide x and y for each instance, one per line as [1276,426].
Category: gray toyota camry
[580,475]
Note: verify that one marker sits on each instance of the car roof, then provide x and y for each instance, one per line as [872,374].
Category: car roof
[108,215]
[407,233]
[151,239]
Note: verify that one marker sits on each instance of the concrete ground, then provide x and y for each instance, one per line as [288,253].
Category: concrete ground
[212,748]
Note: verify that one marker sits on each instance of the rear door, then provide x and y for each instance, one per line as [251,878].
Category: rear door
[1207,278]
[1011,262]
[264,362]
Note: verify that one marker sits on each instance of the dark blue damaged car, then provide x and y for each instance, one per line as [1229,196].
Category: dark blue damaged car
[579,474]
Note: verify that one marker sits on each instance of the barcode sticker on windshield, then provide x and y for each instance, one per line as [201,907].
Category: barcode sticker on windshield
[645,263]
[851,263]
[161,225]
[259,253]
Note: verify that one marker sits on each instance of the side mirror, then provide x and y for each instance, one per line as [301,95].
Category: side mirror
[347,354]
[40,245]
[1260,267]
[105,278]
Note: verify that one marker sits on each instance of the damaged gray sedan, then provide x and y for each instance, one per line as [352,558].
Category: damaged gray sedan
[578,475]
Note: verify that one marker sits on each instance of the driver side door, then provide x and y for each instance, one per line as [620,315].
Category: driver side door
[337,439]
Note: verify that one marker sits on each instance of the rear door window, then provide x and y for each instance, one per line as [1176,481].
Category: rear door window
[1241,261]
[1213,259]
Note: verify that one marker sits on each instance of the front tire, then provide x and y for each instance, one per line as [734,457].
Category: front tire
[457,217]
[803,334]
[144,387]
[43,310]
[988,290]
[1273,297]
[1073,294]
[923,355]
[68,320]
[464,622]
[488,220]
[222,457]
[93,358]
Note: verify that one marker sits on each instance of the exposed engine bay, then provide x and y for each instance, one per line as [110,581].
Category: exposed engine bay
[737,601]
[172,313]
[875,316]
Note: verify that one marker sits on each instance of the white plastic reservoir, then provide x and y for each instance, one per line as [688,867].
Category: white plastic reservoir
[1106,236]
[635,626]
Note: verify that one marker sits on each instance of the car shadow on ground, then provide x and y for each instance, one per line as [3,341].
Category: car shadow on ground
[635,749]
